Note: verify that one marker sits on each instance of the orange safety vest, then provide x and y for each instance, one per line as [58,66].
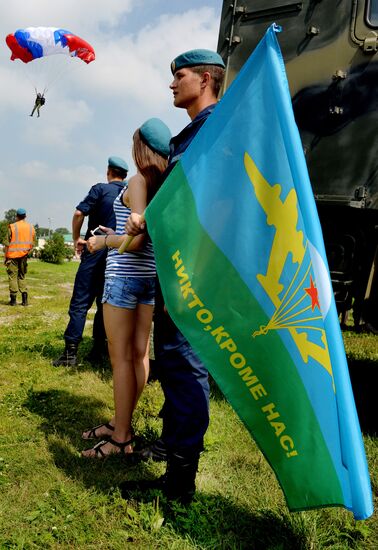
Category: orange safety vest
[22,239]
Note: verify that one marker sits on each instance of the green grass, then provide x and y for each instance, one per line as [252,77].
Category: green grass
[51,498]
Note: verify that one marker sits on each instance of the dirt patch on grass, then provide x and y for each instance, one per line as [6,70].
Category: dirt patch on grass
[66,286]
[52,316]
[7,319]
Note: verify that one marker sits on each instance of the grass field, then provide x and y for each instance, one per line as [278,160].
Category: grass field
[52,498]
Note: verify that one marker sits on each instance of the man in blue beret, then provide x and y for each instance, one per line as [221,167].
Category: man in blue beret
[89,281]
[17,246]
[197,80]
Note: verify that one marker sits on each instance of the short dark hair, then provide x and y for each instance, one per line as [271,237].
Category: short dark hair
[21,216]
[216,72]
[117,172]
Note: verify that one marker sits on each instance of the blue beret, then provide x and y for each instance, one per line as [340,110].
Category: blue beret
[196,57]
[21,211]
[156,135]
[117,162]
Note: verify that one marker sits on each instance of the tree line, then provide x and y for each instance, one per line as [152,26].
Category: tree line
[40,232]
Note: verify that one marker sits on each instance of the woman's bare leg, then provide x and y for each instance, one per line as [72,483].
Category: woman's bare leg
[143,322]
[120,330]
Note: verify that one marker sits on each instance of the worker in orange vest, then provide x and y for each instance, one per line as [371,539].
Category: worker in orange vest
[17,245]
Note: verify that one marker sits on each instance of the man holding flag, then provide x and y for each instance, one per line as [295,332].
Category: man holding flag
[197,79]
[244,275]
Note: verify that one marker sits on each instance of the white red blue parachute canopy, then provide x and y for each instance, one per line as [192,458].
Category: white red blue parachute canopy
[36,42]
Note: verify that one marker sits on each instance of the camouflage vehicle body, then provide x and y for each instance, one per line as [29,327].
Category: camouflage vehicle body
[330,52]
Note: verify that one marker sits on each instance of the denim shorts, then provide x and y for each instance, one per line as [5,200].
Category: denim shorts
[128,292]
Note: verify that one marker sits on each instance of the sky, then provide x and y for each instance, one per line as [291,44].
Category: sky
[48,164]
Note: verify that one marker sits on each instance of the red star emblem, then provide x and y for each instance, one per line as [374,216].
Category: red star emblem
[312,291]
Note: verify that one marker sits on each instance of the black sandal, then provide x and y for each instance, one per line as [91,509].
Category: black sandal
[99,454]
[92,432]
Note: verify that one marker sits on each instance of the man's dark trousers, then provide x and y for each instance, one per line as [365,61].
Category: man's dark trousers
[184,380]
[88,287]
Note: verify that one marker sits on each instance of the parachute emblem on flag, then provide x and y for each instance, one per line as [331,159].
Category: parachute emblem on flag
[303,320]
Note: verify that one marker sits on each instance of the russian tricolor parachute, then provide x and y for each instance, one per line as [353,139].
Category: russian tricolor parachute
[36,42]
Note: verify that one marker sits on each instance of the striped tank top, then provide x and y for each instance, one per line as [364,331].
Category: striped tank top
[140,263]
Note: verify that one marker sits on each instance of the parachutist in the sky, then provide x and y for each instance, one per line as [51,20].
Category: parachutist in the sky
[32,43]
[39,101]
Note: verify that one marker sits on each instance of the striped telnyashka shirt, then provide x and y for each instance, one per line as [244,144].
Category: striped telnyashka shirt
[140,263]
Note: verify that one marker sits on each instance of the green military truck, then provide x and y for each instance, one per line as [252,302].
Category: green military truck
[330,52]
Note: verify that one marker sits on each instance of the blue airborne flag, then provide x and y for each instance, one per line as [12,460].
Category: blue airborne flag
[244,274]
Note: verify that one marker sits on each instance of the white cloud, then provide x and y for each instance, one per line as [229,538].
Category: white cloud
[92,111]
[51,193]
[137,67]
[85,14]
[33,169]
[54,130]
[12,93]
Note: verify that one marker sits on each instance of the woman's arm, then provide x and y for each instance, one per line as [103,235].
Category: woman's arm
[98,242]
[136,197]
[137,193]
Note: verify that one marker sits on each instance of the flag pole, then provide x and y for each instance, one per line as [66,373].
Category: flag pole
[128,238]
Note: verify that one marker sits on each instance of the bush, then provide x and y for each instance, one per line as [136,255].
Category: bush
[69,252]
[55,251]
[3,230]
